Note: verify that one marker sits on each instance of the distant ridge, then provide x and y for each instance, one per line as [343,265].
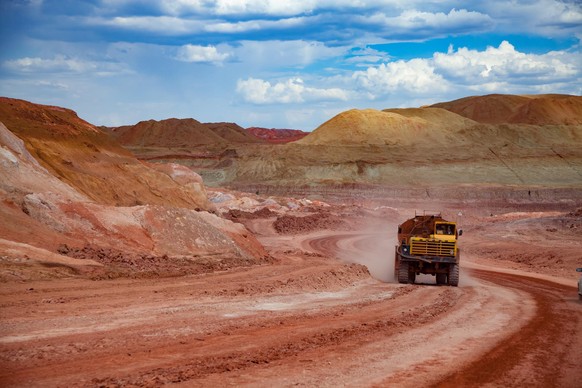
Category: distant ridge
[273,135]
[543,109]
[180,133]
[528,121]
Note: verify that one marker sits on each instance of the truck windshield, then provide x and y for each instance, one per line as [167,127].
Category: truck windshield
[446,229]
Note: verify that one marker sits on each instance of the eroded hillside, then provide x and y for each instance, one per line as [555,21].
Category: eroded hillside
[69,192]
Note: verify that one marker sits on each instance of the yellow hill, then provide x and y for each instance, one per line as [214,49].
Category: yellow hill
[368,127]
[393,127]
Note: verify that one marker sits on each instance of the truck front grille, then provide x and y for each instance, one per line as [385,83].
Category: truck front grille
[432,247]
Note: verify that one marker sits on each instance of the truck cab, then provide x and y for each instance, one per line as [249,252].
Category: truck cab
[445,231]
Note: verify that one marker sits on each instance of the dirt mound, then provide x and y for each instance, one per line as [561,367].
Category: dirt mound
[550,109]
[276,136]
[289,224]
[176,133]
[21,261]
[236,215]
[118,263]
[129,241]
[368,126]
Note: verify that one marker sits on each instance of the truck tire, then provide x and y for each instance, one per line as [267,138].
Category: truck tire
[441,278]
[403,272]
[396,262]
[454,275]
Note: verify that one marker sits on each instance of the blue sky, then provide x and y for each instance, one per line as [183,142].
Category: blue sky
[281,63]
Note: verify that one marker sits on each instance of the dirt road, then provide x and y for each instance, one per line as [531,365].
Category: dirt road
[309,320]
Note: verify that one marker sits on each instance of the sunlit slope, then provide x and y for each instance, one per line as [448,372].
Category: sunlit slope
[88,160]
[368,126]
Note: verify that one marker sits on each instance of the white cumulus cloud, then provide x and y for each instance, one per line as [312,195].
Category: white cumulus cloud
[501,69]
[258,91]
[506,64]
[413,76]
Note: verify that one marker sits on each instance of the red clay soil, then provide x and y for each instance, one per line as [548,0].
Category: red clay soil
[304,319]
[117,264]
[545,352]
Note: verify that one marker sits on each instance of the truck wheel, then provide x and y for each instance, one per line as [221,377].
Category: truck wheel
[403,272]
[441,278]
[454,275]
[396,262]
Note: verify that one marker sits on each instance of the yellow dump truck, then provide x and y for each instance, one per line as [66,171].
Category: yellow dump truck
[427,244]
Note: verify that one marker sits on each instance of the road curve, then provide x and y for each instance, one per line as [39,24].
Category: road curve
[545,351]
[305,320]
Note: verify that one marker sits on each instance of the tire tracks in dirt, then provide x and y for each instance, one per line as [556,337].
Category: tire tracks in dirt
[547,351]
[307,320]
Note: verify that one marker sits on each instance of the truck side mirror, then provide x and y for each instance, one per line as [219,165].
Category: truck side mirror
[460,232]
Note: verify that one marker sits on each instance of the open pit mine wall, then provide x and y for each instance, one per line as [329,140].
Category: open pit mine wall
[502,195]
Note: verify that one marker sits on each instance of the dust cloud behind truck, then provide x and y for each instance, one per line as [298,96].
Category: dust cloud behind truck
[427,244]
